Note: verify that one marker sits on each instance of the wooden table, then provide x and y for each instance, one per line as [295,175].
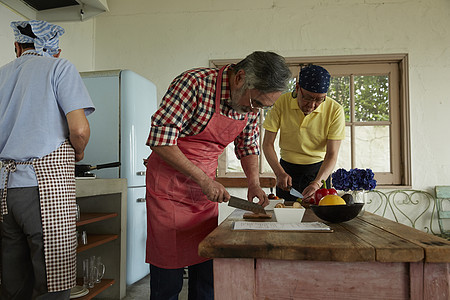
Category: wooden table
[369,257]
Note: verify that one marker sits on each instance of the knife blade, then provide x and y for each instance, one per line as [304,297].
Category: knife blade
[246,205]
[295,193]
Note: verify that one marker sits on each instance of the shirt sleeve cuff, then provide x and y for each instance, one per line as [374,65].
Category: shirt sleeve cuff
[162,136]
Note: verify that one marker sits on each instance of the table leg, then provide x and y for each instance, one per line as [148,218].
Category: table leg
[436,281]
[234,278]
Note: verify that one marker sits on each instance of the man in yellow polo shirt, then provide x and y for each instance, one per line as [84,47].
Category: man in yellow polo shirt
[311,127]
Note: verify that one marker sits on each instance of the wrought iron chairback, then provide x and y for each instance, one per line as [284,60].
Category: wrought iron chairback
[414,208]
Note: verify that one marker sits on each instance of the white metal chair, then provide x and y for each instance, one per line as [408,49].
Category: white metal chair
[443,209]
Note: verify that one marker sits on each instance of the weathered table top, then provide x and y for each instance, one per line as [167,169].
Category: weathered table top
[369,238]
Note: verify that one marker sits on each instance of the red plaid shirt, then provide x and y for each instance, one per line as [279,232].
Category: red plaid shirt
[188,105]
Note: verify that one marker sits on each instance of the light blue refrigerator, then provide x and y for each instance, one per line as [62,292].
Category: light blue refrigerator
[125,102]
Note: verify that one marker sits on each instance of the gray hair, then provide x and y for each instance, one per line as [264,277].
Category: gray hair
[265,71]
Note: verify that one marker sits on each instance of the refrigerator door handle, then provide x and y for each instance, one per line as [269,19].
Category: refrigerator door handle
[140,200]
[140,173]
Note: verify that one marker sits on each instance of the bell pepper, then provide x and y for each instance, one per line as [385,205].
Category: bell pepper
[272,196]
[320,193]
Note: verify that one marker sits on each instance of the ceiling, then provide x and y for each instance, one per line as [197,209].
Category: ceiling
[57,10]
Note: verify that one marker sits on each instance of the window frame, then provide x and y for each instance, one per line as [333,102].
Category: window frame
[400,137]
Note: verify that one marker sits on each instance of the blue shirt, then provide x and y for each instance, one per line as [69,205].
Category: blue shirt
[36,94]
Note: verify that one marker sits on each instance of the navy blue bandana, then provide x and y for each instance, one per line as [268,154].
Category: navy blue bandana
[314,79]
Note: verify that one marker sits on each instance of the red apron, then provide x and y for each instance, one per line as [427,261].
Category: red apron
[179,216]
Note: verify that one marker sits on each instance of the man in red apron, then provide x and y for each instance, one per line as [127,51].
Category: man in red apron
[44,130]
[201,113]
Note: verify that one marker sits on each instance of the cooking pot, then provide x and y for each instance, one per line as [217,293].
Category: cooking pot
[82,170]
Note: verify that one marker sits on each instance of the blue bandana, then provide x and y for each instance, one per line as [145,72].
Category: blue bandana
[314,79]
[47,36]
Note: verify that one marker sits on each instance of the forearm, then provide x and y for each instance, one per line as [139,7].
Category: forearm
[329,161]
[325,170]
[79,132]
[284,181]
[250,166]
[79,142]
[251,169]
[272,160]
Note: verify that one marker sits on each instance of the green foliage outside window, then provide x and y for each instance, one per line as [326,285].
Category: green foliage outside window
[371,97]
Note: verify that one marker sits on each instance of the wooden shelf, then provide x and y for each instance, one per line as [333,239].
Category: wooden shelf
[103,206]
[95,240]
[87,218]
[98,288]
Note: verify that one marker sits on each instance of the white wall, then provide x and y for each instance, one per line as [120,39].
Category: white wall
[77,43]
[161,38]
[6,34]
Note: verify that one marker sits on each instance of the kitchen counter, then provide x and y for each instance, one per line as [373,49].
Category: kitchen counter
[369,257]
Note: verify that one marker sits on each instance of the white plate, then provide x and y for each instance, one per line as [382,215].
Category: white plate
[78,291]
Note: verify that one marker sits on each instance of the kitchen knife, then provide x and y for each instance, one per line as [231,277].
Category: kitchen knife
[246,205]
[296,193]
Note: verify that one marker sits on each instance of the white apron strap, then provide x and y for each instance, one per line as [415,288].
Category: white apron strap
[9,166]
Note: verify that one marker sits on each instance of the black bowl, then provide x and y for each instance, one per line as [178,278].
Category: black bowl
[337,213]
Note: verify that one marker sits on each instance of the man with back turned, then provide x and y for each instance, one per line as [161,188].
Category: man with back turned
[44,130]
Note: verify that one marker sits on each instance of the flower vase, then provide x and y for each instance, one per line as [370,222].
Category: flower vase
[359,196]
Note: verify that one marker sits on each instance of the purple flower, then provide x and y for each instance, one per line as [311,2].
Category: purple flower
[353,180]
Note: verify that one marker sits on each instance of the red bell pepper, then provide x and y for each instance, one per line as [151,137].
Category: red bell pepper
[320,193]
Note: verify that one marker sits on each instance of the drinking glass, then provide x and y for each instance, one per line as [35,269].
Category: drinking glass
[92,272]
[86,272]
[100,269]
[84,239]
[78,216]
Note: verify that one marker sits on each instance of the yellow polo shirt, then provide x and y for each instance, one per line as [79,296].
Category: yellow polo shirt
[303,139]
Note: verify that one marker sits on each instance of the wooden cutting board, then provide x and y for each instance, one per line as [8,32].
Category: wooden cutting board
[251,215]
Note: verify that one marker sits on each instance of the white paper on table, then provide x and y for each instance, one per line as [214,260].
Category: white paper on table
[303,226]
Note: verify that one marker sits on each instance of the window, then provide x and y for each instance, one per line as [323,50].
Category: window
[373,89]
